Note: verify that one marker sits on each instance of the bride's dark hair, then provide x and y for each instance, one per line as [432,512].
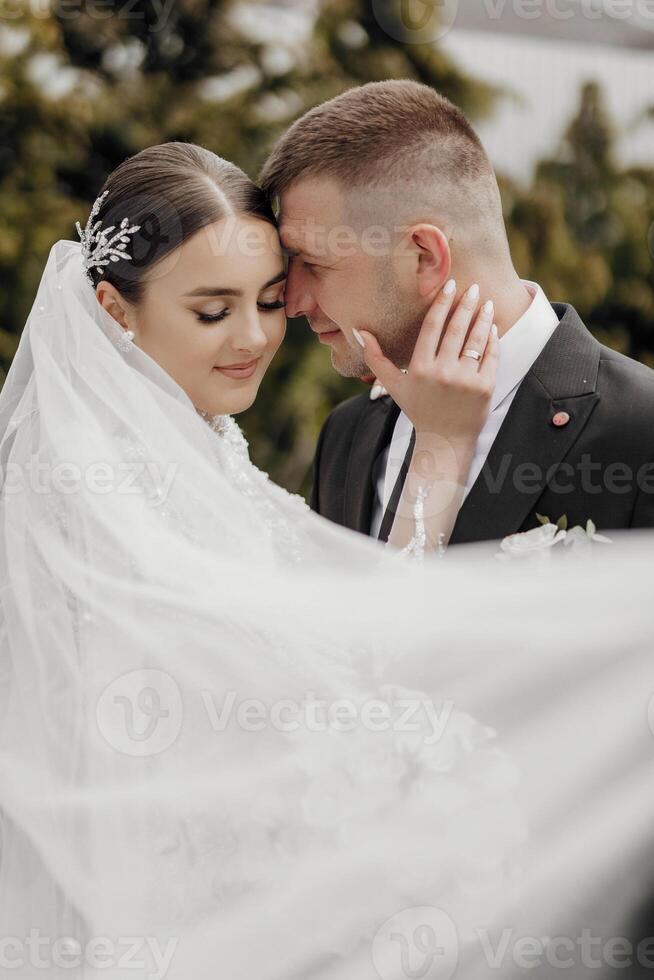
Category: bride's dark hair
[172,191]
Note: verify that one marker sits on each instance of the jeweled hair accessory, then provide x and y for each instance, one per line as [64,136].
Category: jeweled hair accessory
[98,248]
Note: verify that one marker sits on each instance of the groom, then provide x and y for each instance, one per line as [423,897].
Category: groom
[384,193]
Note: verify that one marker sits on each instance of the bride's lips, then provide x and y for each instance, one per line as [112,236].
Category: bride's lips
[239,372]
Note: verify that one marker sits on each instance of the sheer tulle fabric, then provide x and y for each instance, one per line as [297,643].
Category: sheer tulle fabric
[171,618]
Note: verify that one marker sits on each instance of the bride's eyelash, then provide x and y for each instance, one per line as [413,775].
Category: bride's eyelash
[217,317]
[212,317]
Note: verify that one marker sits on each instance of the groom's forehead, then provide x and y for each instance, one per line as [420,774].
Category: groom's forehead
[311,196]
[305,235]
[319,218]
[308,210]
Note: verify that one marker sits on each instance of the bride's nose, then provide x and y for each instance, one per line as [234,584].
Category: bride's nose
[250,335]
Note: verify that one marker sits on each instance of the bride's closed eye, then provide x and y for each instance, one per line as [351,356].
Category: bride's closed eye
[212,317]
[222,314]
[272,299]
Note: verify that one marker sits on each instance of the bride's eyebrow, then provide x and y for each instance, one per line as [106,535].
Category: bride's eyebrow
[224,291]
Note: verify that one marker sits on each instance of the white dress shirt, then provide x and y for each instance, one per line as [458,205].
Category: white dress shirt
[519,347]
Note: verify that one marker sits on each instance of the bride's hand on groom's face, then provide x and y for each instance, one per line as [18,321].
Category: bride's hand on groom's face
[448,386]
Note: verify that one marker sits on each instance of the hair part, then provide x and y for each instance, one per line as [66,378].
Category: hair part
[171,191]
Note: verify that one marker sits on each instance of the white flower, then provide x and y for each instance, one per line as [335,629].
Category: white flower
[538,541]
[579,537]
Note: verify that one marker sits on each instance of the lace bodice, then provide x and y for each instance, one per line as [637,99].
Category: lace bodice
[277,508]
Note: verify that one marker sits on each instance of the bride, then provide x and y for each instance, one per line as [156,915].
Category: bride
[237,740]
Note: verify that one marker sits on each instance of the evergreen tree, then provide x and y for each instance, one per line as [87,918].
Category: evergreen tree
[584,231]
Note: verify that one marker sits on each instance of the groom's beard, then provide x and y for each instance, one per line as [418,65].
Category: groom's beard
[396,325]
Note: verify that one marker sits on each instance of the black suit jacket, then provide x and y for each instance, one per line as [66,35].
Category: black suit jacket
[600,465]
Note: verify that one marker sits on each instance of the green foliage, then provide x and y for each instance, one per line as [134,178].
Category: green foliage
[91,83]
[585,231]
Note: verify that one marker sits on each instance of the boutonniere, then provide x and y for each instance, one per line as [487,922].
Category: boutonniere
[540,540]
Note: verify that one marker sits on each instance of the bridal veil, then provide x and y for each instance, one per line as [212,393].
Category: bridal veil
[237,741]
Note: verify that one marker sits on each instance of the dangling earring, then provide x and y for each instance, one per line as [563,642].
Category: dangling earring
[126,341]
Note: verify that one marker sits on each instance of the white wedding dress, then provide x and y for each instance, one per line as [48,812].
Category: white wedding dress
[170,619]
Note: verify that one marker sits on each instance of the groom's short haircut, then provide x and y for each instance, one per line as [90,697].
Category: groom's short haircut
[369,133]
[382,134]
[400,153]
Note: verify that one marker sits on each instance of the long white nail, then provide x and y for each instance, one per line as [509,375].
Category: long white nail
[473,292]
[357,336]
[494,330]
[450,287]
[487,308]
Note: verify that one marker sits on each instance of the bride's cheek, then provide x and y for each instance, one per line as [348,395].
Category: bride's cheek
[278,334]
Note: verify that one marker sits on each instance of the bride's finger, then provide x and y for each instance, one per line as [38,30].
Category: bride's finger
[384,370]
[434,322]
[476,341]
[457,328]
[488,366]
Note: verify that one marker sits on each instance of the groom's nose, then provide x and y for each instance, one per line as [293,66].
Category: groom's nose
[298,297]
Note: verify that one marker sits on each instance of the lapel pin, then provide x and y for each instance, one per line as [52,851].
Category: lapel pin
[561,418]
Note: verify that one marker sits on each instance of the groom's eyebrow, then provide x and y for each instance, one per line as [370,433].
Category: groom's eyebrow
[224,291]
[288,248]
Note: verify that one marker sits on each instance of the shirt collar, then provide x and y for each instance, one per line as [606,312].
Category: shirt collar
[520,346]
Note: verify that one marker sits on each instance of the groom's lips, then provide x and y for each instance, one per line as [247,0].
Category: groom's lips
[326,335]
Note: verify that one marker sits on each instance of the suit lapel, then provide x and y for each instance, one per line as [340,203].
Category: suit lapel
[372,436]
[528,447]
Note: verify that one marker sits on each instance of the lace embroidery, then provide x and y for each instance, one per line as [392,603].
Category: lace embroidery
[269,499]
[416,546]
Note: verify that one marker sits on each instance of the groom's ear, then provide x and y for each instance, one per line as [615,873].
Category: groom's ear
[433,257]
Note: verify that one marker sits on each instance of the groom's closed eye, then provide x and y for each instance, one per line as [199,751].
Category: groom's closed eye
[306,261]
[312,267]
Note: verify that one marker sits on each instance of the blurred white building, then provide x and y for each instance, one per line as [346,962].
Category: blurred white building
[543,51]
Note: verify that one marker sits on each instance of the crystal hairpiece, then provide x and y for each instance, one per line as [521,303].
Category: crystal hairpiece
[99,247]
